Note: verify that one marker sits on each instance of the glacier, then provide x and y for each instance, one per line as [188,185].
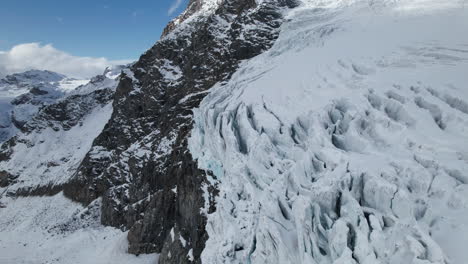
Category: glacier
[346,142]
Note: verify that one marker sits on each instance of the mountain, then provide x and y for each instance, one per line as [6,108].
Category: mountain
[269,131]
[19,80]
[23,94]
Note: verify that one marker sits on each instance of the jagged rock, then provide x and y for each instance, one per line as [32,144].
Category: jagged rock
[5,178]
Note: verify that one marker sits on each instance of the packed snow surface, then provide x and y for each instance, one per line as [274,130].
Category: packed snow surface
[347,142]
[57,230]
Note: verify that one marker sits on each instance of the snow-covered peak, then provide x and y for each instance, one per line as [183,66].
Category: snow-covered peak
[33,76]
[195,9]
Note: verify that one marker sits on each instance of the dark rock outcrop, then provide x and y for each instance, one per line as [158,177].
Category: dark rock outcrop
[5,178]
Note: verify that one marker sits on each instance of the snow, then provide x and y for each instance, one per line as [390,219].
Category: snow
[32,230]
[346,142]
[172,234]
[190,255]
[169,71]
[209,5]
[108,80]
[183,242]
[67,85]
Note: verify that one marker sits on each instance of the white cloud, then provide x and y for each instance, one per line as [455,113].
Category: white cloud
[176,4]
[29,56]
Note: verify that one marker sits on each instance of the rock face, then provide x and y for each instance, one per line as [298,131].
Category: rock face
[193,7]
[140,164]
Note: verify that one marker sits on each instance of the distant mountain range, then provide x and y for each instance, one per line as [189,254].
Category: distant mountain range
[22,95]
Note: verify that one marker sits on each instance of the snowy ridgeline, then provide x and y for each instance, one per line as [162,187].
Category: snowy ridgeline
[346,142]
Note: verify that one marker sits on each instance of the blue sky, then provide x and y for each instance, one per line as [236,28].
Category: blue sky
[114,29]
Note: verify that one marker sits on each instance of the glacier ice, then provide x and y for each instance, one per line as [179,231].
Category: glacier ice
[344,143]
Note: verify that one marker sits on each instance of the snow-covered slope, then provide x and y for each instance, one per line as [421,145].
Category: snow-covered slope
[346,142]
[57,230]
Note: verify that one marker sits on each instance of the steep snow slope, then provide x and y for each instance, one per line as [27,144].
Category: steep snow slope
[346,142]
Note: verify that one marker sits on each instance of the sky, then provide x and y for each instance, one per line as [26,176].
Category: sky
[93,32]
